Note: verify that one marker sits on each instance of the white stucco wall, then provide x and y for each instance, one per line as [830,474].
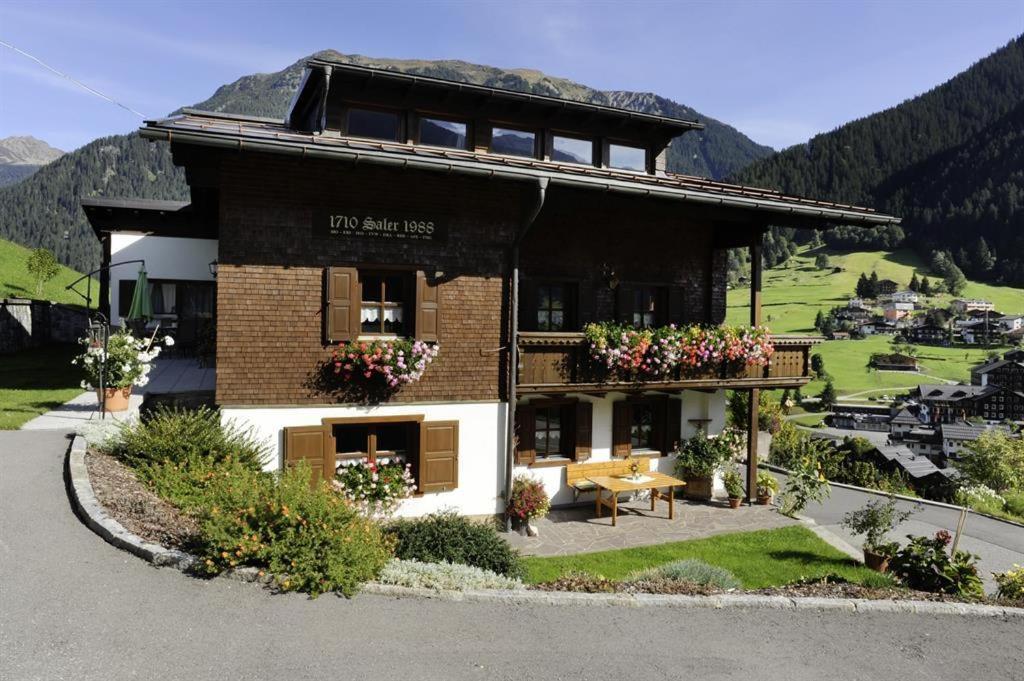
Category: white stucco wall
[482,432]
[166,258]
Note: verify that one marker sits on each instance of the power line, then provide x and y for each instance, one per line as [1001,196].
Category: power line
[73,80]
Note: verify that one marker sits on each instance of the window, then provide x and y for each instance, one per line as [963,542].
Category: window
[641,430]
[171,298]
[381,125]
[441,133]
[572,150]
[377,442]
[627,158]
[382,308]
[549,432]
[645,307]
[513,142]
[553,307]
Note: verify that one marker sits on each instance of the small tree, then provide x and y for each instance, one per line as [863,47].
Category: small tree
[863,289]
[42,266]
[821,261]
[819,320]
[995,460]
[818,364]
[828,395]
[925,288]
[915,285]
[874,521]
[955,281]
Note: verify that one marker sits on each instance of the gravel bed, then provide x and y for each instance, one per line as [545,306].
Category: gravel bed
[132,504]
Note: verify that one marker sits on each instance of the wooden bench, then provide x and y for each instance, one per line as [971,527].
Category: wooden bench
[576,474]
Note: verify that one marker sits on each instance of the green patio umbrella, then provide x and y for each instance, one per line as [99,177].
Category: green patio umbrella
[142,305]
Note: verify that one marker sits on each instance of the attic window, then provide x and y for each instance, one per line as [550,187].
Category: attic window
[376,124]
[572,150]
[442,133]
[625,157]
[513,142]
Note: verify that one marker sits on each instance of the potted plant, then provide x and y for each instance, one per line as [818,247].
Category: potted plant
[767,486]
[376,489]
[126,363]
[697,460]
[528,502]
[874,521]
[733,482]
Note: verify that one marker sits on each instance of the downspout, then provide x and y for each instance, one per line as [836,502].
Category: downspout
[513,342]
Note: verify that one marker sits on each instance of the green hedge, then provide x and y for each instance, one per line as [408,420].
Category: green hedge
[450,538]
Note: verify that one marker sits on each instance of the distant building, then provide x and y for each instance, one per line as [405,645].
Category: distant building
[905,420]
[905,296]
[947,403]
[857,304]
[929,334]
[894,311]
[887,287]
[1011,322]
[839,335]
[965,305]
[893,361]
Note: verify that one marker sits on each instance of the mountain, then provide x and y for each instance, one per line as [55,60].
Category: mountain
[950,162]
[42,209]
[22,156]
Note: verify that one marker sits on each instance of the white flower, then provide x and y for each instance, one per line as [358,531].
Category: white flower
[168,341]
[85,386]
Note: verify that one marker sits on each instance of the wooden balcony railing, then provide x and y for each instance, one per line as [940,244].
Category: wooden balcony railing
[559,363]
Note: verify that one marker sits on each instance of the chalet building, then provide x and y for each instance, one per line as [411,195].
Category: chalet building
[928,334]
[965,305]
[490,226]
[893,361]
[887,287]
[905,296]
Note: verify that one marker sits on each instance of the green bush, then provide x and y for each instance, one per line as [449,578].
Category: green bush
[1015,503]
[995,460]
[700,456]
[1011,584]
[690,570]
[307,536]
[180,436]
[450,538]
[924,564]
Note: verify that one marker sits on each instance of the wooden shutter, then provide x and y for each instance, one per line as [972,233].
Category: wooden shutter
[624,304]
[439,456]
[526,430]
[427,309]
[313,444]
[673,424]
[341,318]
[584,423]
[622,422]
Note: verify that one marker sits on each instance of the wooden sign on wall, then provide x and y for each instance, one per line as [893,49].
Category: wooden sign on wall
[342,224]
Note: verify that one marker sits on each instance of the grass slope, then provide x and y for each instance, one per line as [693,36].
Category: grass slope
[35,381]
[793,293]
[15,281]
[758,559]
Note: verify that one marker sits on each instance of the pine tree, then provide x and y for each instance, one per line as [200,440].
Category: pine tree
[926,287]
[873,284]
[819,320]
[915,285]
[863,287]
[982,258]
[828,396]
[818,364]
[955,280]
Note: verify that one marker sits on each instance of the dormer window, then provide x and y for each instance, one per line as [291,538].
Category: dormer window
[375,123]
[572,150]
[624,157]
[512,142]
[439,132]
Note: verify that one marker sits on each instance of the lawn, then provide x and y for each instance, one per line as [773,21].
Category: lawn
[35,381]
[758,559]
[15,281]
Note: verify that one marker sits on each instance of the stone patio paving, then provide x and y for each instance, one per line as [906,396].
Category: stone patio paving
[577,529]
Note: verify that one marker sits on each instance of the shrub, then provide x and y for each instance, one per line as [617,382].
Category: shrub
[450,538]
[1011,584]
[376,489]
[924,564]
[1015,502]
[179,436]
[309,537]
[579,581]
[692,571]
[733,482]
[529,500]
[875,520]
[980,498]
[995,460]
[443,576]
[767,484]
[806,483]
[700,456]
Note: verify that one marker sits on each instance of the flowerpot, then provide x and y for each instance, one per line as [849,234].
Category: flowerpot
[117,398]
[698,488]
[764,499]
[531,530]
[734,502]
[876,561]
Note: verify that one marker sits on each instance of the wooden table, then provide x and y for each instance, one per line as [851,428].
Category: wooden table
[616,485]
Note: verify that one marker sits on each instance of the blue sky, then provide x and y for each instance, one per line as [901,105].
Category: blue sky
[779,71]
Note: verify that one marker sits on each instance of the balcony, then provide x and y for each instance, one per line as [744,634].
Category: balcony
[560,363]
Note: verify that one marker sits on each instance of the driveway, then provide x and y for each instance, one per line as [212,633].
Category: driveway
[74,607]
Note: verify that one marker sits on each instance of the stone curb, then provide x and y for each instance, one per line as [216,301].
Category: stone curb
[92,513]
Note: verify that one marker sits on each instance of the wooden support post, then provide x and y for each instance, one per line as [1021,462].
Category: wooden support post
[755,394]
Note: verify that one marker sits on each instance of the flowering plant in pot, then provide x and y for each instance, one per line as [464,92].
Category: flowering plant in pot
[126,362]
[528,502]
[392,363]
[767,486]
[376,489]
[697,461]
[874,521]
[733,482]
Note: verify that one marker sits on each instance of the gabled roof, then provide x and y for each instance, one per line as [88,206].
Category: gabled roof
[243,134]
[945,392]
[906,418]
[916,466]
[998,364]
[961,430]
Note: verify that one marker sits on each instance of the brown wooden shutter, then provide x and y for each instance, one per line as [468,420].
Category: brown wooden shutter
[526,430]
[427,309]
[439,456]
[584,423]
[673,424]
[622,422]
[342,309]
[624,304]
[313,444]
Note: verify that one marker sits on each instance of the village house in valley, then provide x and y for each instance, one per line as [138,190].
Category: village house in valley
[491,227]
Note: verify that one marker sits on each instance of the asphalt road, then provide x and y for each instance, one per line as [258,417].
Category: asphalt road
[74,607]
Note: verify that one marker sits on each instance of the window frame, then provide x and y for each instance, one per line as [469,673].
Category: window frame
[124,303]
[419,116]
[595,147]
[407,303]
[570,293]
[549,454]
[660,294]
[400,115]
[606,155]
[648,406]
[538,138]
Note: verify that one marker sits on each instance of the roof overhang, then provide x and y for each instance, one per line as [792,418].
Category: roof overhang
[147,216]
